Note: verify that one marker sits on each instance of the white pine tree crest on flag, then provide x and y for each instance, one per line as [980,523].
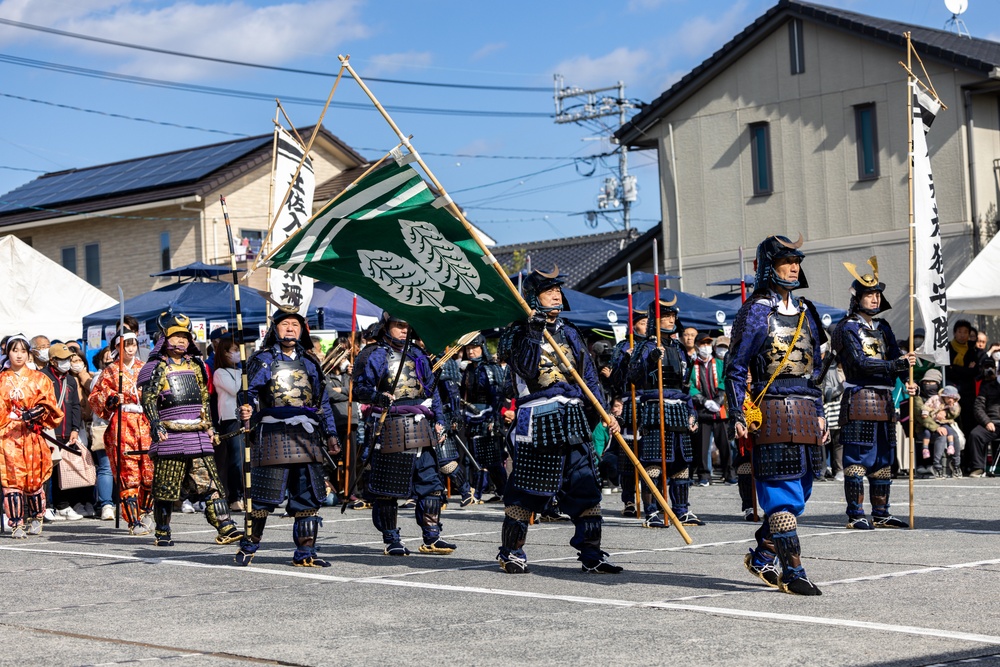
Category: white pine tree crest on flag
[386,240]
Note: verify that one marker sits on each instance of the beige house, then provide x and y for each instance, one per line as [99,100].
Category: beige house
[799,124]
[116,224]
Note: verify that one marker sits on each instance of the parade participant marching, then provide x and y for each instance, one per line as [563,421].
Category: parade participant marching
[286,400]
[872,362]
[621,356]
[552,445]
[404,423]
[776,342]
[672,446]
[482,397]
[27,405]
[174,384]
[134,472]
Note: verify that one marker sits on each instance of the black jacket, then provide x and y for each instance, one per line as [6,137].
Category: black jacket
[988,403]
[73,420]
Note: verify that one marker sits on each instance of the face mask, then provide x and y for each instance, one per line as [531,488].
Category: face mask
[234,357]
[177,349]
[704,351]
[721,352]
[43,355]
[344,365]
[63,366]
[76,368]
[996,356]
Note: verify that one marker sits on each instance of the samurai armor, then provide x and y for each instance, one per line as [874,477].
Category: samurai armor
[486,449]
[868,404]
[290,384]
[407,431]
[184,389]
[391,473]
[675,415]
[860,433]
[677,444]
[409,383]
[788,419]
[269,483]
[779,461]
[447,451]
[168,475]
[285,444]
[800,362]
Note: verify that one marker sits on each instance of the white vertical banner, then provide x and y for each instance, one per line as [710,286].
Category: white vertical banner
[290,288]
[929,283]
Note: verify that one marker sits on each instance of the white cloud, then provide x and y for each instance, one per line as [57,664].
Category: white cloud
[488,50]
[235,30]
[389,63]
[622,64]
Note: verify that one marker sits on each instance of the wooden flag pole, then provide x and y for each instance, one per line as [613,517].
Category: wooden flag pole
[909,126]
[298,169]
[635,408]
[350,398]
[491,260]
[659,371]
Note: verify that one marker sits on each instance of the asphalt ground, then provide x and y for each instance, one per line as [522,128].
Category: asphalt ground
[85,594]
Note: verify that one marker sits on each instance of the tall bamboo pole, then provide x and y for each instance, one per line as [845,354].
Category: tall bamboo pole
[659,371]
[634,407]
[488,257]
[350,397]
[909,127]
[753,482]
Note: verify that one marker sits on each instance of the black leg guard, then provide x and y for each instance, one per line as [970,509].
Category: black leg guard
[428,515]
[304,533]
[217,514]
[161,513]
[513,534]
[131,514]
[250,543]
[678,490]
[13,507]
[762,561]
[587,537]
[879,490]
[34,504]
[793,575]
[384,511]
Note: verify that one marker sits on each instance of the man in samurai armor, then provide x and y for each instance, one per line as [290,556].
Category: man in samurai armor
[621,356]
[175,398]
[285,402]
[131,464]
[674,446]
[872,361]
[776,343]
[482,392]
[400,449]
[448,453]
[551,440]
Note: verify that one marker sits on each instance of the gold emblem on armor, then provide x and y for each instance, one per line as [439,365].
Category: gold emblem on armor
[294,388]
[409,385]
[548,370]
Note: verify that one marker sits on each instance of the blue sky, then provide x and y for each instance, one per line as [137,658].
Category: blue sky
[527,180]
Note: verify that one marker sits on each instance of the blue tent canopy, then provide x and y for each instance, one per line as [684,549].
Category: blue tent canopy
[334,306]
[207,301]
[828,314]
[639,278]
[695,311]
[590,312]
[195,270]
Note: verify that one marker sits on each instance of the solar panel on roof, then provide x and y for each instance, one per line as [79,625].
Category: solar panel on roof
[130,176]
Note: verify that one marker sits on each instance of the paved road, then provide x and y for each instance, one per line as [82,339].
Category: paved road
[85,594]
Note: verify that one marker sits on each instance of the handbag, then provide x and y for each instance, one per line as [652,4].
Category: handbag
[77,470]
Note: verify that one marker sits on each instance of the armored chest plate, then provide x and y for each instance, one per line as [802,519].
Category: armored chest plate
[781,330]
[409,384]
[184,388]
[872,342]
[290,384]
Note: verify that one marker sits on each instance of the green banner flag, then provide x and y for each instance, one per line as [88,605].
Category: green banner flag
[387,240]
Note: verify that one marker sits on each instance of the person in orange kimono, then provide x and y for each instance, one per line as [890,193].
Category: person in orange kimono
[134,472]
[27,404]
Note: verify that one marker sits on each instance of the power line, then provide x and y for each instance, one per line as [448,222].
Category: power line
[273,68]
[243,94]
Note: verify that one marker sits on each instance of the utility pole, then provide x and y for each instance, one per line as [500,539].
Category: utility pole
[591,105]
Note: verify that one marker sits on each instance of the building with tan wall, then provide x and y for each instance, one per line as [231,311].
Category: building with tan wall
[799,124]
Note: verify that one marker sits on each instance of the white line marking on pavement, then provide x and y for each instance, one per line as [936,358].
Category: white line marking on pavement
[609,602]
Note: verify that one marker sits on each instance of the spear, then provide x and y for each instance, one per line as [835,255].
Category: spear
[247,485]
[635,411]
[746,438]
[659,370]
[118,411]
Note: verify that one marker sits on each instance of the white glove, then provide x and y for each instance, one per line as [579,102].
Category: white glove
[712,406]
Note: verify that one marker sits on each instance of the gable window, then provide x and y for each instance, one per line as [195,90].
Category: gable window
[69,259]
[796,47]
[760,155]
[92,258]
[867,139]
[165,251]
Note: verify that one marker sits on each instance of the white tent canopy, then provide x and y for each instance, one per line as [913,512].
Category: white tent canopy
[40,297]
[977,290]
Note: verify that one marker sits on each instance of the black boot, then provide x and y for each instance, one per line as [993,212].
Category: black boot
[162,509]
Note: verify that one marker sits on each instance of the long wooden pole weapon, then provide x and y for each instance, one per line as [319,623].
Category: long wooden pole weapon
[659,370]
[746,438]
[118,411]
[247,485]
[491,260]
[350,397]
[634,407]
[909,126]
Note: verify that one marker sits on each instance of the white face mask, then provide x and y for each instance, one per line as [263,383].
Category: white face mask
[63,365]
[43,355]
[234,357]
[704,351]
[996,356]
[721,352]
[76,368]
[343,366]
